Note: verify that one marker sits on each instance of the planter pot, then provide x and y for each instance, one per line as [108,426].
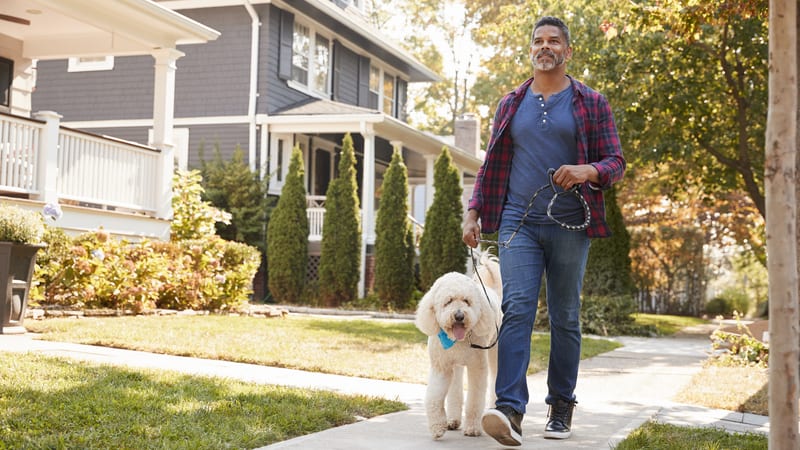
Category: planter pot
[16,270]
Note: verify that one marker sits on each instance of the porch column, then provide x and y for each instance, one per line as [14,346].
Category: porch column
[47,160]
[163,119]
[367,202]
[430,161]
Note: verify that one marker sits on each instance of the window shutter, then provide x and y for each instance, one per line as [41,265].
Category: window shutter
[402,97]
[285,51]
[337,69]
[363,81]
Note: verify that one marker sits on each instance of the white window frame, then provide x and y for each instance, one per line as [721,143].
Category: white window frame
[90,64]
[383,75]
[309,86]
[280,153]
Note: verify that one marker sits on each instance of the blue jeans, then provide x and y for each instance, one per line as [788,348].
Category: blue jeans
[560,255]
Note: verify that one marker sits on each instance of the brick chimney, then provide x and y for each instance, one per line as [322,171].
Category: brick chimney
[468,134]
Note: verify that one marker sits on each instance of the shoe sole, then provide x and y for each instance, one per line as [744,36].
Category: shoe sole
[557,434]
[497,425]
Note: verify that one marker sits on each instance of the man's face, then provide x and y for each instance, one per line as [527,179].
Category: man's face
[549,48]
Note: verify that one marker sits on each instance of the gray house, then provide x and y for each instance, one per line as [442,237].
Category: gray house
[282,73]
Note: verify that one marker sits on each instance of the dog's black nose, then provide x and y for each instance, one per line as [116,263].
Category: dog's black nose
[459,316]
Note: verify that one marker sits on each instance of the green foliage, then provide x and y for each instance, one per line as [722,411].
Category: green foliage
[192,218]
[665,436]
[441,249]
[20,225]
[394,274]
[341,233]
[739,349]
[731,301]
[612,315]
[287,236]
[94,270]
[196,270]
[232,186]
[608,268]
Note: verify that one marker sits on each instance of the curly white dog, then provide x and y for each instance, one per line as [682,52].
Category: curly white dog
[462,320]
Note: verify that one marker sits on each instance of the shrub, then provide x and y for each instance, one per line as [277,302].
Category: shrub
[394,274]
[20,225]
[192,218]
[739,349]
[718,306]
[441,249]
[611,315]
[287,236]
[340,262]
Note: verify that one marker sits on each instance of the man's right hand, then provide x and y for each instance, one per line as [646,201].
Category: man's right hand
[472,231]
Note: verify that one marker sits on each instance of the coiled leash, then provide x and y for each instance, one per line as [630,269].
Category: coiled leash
[574,190]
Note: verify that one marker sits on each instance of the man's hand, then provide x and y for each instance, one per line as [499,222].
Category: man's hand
[472,231]
[567,175]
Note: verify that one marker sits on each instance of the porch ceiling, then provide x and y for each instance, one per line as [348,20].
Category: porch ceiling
[325,116]
[55,29]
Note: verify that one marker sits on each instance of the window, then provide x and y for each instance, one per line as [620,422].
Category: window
[310,59]
[388,95]
[382,90]
[90,63]
[374,86]
[6,78]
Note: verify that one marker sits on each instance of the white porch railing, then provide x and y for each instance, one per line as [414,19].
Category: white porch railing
[48,162]
[315,211]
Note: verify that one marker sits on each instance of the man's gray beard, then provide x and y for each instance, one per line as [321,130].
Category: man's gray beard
[557,61]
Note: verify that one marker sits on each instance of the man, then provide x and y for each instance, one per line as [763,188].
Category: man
[550,121]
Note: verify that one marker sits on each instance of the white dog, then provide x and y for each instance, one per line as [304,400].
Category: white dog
[462,320]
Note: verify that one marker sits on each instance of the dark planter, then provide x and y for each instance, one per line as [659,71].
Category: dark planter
[16,270]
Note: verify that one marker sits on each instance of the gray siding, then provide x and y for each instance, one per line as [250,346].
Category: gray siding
[213,79]
[227,137]
[126,92]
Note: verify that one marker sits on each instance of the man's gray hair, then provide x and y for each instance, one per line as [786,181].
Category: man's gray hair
[554,21]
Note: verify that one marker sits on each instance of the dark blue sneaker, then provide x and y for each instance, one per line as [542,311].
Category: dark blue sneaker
[559,419]
[504,424]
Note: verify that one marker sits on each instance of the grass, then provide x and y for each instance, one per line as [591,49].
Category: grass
[671,437]
[734,388]
[394,351]
[47,402]
[666,325]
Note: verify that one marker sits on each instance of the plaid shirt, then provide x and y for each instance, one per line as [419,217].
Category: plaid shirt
[598,145]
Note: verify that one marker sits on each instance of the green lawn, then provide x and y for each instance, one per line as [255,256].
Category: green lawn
[52,403]
[386,350]
[671,437]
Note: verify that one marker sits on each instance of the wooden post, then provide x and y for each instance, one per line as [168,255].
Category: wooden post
[781,205]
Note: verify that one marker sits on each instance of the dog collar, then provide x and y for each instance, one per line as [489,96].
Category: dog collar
[445,340]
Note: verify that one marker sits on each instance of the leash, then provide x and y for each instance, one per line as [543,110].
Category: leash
[575,190]
[497,328]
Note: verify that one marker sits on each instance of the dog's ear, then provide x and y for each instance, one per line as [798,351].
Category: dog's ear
[489,321]
[425,318]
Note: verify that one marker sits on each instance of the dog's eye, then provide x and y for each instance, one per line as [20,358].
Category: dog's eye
[466,300]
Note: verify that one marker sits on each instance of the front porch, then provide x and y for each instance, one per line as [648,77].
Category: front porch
[99,182]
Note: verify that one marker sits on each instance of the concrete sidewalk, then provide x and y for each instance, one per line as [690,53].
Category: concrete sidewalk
[617,392]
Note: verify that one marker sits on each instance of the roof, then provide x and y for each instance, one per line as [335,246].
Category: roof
[57,29]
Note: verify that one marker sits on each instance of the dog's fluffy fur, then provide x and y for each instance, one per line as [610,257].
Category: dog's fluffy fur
[459,305]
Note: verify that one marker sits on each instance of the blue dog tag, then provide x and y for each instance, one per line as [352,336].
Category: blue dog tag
[445,340]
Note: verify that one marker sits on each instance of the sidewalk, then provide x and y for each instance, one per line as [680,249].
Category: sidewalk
[617,392]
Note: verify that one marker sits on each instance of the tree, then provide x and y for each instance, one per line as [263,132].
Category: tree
[192,218]
[394,274]
[608,268]
[232,186]
[781,205]
[287,236]
[441,249]
[341,234]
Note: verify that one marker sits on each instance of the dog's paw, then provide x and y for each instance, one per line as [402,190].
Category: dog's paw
[472,430]
[453,424]
[438,430]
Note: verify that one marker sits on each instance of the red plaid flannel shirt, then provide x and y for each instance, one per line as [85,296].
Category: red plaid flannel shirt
[598,144]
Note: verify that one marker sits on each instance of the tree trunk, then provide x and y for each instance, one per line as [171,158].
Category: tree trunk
[781,206]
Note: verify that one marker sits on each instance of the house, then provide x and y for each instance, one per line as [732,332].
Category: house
[282,73]
[123,187]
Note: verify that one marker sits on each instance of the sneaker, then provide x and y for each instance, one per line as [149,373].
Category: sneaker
[504,424]
[559,419]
